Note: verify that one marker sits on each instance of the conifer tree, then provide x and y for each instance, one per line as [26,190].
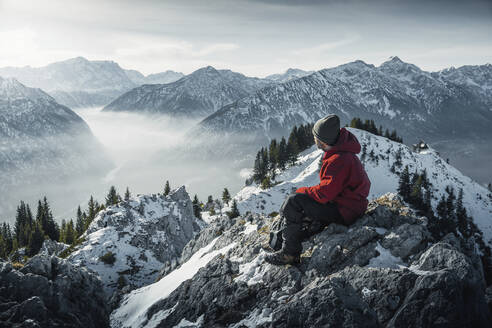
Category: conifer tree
[226,197]
[70,233]
[197,210]
[63,230]
[50,227]
[260,169]
[112,198]
[36,240]
[92,209]
[292,147]
[273,154]
[282,154]
[29,217]
[21,222]
[127,194]
[79,223]
[6,241]
[210,199]
[266,183]
[291,153]
[404,183]
[450,202]
[3,248]
[462,216]
[167,188]
[447,221]
[416,195]
[234,210]
[427,209]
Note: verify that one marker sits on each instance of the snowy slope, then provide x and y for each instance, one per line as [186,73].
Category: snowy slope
[387,257]
[133,309]
[141,242]
[305,173]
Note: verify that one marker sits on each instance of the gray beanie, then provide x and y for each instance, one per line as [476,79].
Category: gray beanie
[327,129]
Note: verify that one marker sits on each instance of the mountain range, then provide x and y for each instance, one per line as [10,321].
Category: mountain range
[78,82]
[450,109]
[434,105]
[196,95]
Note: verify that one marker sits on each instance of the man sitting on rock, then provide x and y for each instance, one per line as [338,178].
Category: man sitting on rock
[340,197]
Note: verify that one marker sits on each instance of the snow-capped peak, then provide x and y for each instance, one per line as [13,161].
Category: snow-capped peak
[11,88]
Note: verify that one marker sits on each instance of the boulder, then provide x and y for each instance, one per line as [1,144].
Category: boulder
[51,292]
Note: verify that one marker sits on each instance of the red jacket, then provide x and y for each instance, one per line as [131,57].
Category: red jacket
[343,179]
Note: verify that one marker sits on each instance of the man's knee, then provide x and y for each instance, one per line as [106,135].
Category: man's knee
[296,198]
[292,208]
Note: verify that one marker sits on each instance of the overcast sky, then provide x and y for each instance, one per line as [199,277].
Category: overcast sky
[255,37]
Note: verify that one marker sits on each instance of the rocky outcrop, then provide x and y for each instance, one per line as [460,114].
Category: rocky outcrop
[128,243]
[51,292]
[52,247]
[383,271]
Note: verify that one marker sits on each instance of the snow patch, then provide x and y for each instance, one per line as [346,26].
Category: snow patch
[133,309]
[385,259]
[255,319]
[252,272]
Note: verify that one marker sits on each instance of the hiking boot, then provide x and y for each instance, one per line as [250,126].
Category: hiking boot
[281,258]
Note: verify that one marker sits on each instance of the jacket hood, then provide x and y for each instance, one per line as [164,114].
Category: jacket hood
[346,142]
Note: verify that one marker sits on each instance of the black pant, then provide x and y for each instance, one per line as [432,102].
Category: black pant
[294,209]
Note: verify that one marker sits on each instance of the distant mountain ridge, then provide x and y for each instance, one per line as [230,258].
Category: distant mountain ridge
[32,112]
[79,82]
[195,95]
[41,139]
[393,94]
[290,74]
[168,76]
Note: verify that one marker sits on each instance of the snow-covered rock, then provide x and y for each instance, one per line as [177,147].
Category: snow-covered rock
[346,278]
[52,247]
[142,235]
[476,198]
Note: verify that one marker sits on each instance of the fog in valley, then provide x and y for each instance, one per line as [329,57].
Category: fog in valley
[145,152]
